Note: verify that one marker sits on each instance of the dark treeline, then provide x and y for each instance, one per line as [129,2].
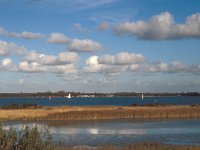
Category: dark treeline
[190,94]
[95,94]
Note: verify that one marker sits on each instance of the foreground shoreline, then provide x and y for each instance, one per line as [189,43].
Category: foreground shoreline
[137,146]
[101,113]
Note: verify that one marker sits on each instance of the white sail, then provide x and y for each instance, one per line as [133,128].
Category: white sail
[69,96]
[142,96]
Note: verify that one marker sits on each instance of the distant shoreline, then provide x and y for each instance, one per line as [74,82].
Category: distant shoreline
[100,96]
[94,94]
[69,113]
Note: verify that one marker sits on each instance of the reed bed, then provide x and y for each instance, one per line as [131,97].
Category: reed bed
[101,113]
[124,113]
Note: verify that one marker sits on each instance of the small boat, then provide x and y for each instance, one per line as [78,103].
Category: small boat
[69,96]
[142,96]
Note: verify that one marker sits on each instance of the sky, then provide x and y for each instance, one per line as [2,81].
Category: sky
[100,45]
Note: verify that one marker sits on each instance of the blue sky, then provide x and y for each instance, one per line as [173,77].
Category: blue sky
[99,45]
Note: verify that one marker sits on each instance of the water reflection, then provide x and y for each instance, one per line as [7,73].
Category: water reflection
[96,131]
[119,132]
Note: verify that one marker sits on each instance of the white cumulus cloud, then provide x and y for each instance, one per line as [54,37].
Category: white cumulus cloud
[103,26]
[161,27]
[85,45]
[122,58]
[78,27]
[6,62]
[58,38]
[7,65]
[23,34]
[34,62]
[11,49]
[75,45]
[93,66]
[35,67]
[135,63]
[43,59]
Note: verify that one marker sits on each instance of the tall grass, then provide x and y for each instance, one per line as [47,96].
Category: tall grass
[26,139]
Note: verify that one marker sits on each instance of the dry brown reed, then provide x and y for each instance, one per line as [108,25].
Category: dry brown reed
[129,113]
[101,112]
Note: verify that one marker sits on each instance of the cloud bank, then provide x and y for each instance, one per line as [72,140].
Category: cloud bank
[134,63]
[33,62]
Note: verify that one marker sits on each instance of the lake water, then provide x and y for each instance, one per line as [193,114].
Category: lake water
[115,101]
[119,132]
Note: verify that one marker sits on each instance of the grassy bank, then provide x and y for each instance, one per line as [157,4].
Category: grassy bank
[101,112]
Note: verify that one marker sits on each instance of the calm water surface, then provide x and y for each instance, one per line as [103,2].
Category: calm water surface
[119,132]
[115,101]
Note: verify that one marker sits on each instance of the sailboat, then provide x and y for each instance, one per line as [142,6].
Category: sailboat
[69,96]
[142,96]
